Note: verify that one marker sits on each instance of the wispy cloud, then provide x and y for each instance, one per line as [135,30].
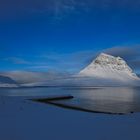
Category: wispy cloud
[127,52]
[71,62]
[16,60]
[53,7]
[74,62]
[60,7]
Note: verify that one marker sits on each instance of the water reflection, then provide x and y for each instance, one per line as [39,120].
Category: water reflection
[104,100]
[116,100]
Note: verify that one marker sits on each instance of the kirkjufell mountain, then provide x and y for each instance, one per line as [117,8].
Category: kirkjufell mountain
[104,70]
[109,67]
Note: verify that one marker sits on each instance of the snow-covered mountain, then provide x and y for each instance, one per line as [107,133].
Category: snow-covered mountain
[109,67]
[7,82]
[105,70]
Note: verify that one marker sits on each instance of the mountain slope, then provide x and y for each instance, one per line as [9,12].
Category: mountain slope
[7,82]
[109,67]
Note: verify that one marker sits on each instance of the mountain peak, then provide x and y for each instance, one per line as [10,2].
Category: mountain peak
[106,59]
[108,66]
[108,56]
[104,54]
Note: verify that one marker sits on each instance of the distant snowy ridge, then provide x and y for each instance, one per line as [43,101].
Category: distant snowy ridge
[7,82]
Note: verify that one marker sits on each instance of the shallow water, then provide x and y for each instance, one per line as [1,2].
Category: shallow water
[23,119]
[117,100]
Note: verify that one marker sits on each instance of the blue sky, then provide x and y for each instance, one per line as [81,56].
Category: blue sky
[64,35]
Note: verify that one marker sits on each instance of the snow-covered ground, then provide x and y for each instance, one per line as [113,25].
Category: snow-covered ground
[21,119]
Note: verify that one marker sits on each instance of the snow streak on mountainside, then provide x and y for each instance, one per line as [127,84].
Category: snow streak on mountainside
[109,67]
